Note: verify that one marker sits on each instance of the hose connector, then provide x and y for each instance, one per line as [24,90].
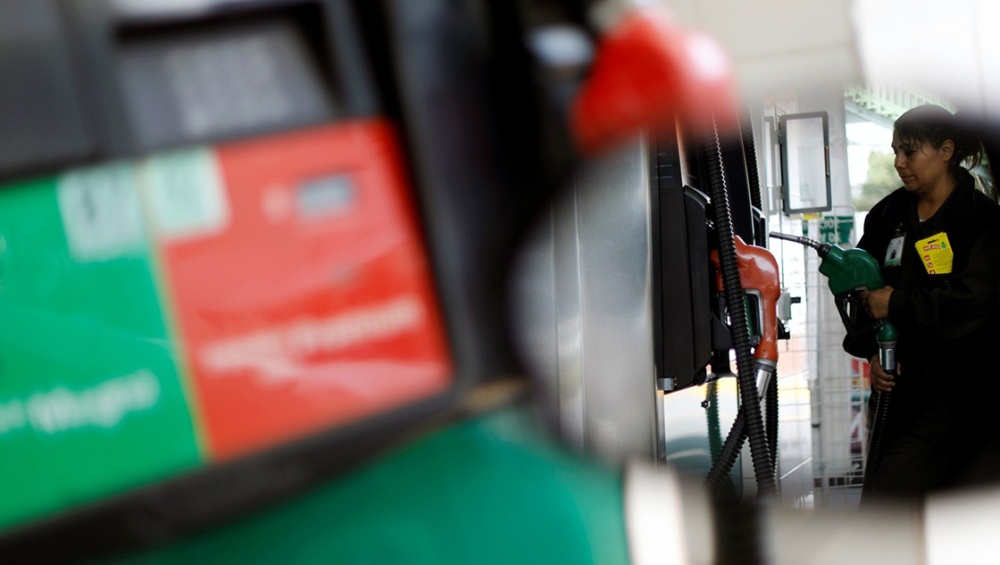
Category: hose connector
[821,248]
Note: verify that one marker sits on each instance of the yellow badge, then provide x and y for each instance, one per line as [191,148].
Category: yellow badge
[935,253]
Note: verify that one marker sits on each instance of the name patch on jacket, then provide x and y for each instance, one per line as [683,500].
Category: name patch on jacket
[936,254]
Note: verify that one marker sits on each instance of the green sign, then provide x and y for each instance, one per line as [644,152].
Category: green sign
[836,230]
[88,372]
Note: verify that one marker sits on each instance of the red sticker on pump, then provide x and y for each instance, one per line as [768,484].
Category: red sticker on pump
[300,281]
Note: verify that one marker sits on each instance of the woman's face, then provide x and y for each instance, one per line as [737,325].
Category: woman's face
[921,167]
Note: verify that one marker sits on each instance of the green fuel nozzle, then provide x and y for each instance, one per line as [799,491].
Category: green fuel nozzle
[849,271]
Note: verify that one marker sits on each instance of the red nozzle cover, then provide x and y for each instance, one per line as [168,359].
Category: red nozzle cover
[758,271]
[649,72]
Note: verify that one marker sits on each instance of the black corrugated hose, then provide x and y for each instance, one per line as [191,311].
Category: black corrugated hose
[725,457]
[876,444]
[771,413]
[749,400]
[756,200]
[719,473]
[734,441]
[724,483]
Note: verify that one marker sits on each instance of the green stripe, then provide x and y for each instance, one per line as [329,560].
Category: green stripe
[488,491]
[91,400]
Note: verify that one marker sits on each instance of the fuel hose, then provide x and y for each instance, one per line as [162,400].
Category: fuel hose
[718,477]
[887,339]
[750,403]
[722,484]
[756,200]
[876,441]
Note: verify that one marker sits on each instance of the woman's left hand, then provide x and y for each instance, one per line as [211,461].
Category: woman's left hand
[877,302]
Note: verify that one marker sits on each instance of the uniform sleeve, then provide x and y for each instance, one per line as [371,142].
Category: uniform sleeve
[863,345]
[965,303]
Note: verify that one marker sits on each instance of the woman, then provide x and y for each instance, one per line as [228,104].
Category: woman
[938,242]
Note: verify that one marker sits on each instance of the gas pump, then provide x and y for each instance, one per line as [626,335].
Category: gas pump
[761,280]
[656,260]
[160,247]
[218,253]
[225,249]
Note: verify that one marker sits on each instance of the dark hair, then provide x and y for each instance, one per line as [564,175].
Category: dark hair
[935,125]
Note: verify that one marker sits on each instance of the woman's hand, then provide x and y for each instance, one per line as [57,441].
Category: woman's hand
[877,302]
[882,381]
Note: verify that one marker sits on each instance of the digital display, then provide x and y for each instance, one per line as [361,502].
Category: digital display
[328,195]
[220,83]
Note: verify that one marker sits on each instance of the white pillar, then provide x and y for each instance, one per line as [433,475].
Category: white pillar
[832,390]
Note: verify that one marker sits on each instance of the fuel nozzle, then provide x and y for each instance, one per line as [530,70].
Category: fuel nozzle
[821,248]
[759,275]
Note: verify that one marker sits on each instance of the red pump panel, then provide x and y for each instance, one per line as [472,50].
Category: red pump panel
[303,293]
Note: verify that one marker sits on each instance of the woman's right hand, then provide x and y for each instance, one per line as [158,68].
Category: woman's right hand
[882,381]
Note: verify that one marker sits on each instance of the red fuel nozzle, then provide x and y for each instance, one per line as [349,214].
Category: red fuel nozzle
[758,271]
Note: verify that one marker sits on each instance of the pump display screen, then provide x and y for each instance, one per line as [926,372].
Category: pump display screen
[216,83]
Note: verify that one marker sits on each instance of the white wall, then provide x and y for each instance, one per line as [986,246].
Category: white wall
[779,44]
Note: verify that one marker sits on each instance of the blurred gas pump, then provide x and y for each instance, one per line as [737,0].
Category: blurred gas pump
[649,247]
[225,262]
[248,295]
[228,261]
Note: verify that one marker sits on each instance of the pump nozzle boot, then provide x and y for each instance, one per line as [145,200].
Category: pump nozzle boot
[759,275]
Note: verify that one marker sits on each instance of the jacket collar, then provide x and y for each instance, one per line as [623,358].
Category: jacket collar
[901,206]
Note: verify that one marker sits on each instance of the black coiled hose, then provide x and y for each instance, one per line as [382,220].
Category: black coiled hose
[876,444]
[725,457]
[750,403]
[771,413]
[722,485]
[756,200]
[719,473]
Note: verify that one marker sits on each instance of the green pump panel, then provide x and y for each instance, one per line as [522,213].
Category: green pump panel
[90,397]
[221,313]
[491,490]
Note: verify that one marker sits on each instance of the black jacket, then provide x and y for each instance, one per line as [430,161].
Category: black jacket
[948,324]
